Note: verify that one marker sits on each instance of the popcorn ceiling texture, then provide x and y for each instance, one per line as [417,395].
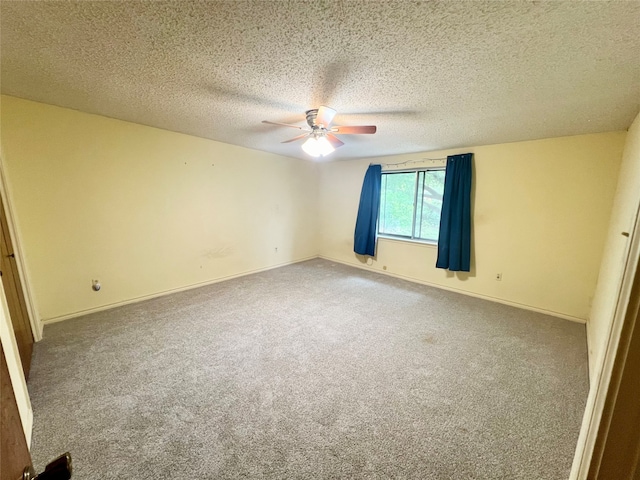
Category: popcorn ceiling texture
[430,75]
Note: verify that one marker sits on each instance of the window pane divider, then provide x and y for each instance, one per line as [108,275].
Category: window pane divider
[424,179]
[415,205]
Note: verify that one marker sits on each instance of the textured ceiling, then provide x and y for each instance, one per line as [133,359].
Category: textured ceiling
[430,75]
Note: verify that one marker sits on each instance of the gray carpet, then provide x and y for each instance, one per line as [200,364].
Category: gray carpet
[311,371]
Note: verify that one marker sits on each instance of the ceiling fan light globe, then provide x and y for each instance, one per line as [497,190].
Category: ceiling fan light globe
[324,146]
[311,147]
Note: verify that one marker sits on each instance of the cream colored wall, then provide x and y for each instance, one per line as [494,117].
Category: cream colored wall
[148,211]
[540,215]
[623,217]
[144,210]
[14,365]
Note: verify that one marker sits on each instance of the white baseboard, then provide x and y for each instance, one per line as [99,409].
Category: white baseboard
[249,272]
[463,292]
[109,306]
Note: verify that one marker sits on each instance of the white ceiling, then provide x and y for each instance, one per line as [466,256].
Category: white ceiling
[430,75]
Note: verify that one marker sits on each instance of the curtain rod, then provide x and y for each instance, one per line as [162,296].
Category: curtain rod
[410,161]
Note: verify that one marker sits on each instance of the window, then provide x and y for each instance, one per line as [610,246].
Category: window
[410,204]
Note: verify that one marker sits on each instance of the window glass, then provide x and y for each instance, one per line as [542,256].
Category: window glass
[397,192]
[410,204]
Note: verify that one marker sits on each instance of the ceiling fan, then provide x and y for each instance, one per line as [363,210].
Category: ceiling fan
[321,139]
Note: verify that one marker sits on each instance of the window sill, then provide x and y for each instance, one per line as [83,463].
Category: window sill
[426,243]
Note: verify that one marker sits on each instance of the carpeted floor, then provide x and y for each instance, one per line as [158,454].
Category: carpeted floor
[311,371]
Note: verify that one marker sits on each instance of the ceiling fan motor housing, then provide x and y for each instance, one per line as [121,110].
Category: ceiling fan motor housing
[311,117]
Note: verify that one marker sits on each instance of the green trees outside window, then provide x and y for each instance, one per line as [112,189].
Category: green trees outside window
[410,204]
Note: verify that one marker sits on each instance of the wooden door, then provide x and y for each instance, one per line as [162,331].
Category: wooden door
[14,453]
[616,454]
[15,296]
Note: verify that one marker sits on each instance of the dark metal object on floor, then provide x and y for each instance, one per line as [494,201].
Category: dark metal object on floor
[60,469]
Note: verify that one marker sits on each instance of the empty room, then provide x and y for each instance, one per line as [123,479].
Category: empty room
[320,239]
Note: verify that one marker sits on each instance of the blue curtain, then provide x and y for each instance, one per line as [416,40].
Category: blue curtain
[454,242]
[365,236]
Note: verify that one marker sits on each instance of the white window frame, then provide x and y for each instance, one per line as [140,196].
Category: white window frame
[405,238]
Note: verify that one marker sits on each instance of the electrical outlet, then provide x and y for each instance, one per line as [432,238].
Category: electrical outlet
[498,276]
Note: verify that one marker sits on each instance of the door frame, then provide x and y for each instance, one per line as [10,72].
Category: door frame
[15,450]
[606,376]
[34,319]
[12,356]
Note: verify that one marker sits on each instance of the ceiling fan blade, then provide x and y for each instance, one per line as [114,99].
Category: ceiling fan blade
[356,129]
[334,141]
[296,138]
[325,116]
[284,125]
